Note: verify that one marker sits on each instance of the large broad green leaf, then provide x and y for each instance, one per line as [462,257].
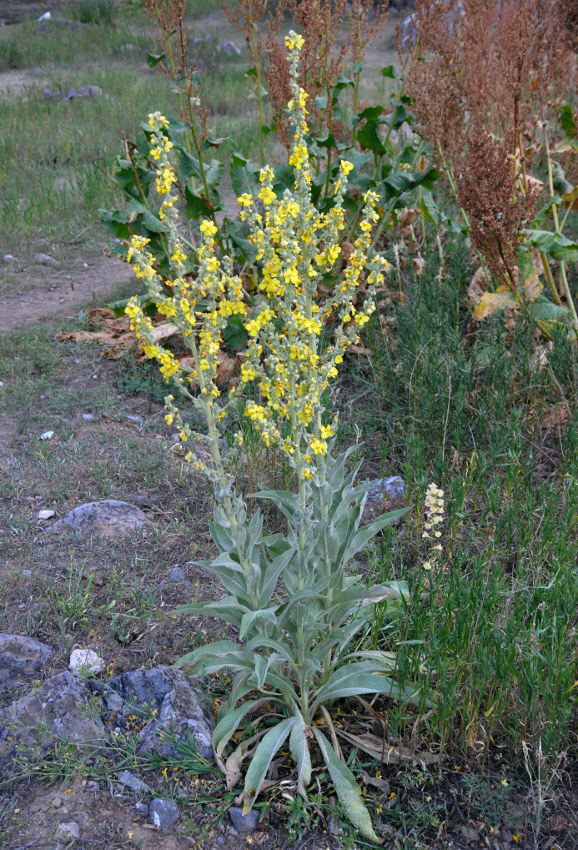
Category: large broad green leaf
[389,71]
[356,683]
[288,503]
[188,165]
[214,173]
[228,609]
[197,205]
[215,656]
[369,136]
[364,535]
[261,761]
[116,222]
[561,185]
[299,746]
[153,59]
[567,121]
[235,334]
[554,245]
[228,725]
[347,789]
[151,222]
[544,310]
[429,208]
[257,618]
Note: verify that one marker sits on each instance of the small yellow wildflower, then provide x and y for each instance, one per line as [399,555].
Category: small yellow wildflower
[208,228]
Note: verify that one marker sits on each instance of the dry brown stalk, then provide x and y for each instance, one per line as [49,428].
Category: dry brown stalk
[482,81]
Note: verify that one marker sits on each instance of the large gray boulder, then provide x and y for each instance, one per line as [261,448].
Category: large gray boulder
[21,657]
[107,518]
[58,710]
[171,697]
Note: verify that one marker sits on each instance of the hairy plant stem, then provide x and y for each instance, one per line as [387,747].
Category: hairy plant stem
[257,66]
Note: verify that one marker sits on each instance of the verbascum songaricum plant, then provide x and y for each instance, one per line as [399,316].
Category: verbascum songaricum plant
[299,611]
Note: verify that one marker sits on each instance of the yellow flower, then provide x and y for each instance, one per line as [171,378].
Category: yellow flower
[319,447]
[345,167]
[208,228]
[267,195]
[178,256]
[293,41]
[245,200]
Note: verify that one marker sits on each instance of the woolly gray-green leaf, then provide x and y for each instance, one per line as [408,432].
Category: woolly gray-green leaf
[261,761]
[227,726]
[299,747]
[347,789]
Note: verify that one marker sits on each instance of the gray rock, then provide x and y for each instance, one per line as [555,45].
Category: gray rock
[109,518]
[241,822]
[21,657]
[133,782]
[88,417]
[57,710]
[178,574]
[384,495]
[387,488]
[113,701]
[142,808]
[229,48]
[44,260]
[64,23]
[90,91]
[68,830]
[85,661]
[180,709]
[163,813]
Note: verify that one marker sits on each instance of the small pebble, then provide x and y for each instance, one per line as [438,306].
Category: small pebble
[46,514]
[57,802]
[88,417]
[47,435]
[69,830]
[163,813]
[85,661]
[26,572]
[241,822]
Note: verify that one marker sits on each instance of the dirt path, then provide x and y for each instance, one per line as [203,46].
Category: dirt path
[29,296]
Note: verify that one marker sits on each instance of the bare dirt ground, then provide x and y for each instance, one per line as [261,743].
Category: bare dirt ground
[33,294]
[12,11]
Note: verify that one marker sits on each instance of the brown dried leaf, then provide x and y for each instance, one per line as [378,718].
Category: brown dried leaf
[409,216]
[384,752]
[535,185]
[163,331]
[490,302]
[556,416]
[478,285]
[418,265]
